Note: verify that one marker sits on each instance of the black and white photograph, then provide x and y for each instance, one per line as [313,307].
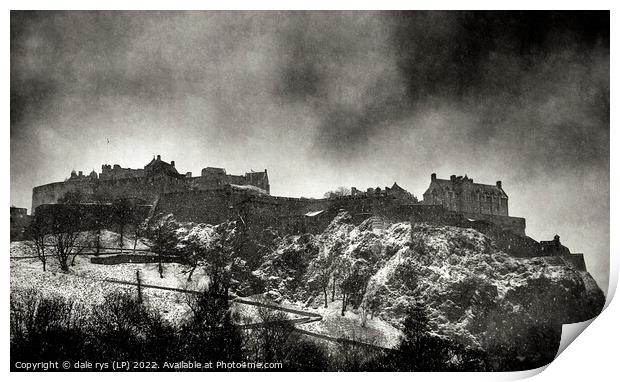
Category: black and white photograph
[305,190]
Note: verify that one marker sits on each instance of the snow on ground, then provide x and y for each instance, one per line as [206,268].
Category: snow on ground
[85,283]
[376,332]
[111,239]
[87,291]
[249,313]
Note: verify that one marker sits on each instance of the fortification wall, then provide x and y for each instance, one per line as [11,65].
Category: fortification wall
[216,206]
[89,216]
[292,215]
[144,188]
[50,193]
[509,223]
[576,259]
[207,206]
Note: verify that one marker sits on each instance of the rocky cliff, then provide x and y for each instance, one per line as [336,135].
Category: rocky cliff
[477,294]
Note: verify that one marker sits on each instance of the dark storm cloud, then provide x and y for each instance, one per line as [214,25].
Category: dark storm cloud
[448,54]
[495,65]
[50,52]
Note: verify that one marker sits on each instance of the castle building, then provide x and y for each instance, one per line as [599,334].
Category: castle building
[461,194]
[474,201]
[19,221]
[144,184]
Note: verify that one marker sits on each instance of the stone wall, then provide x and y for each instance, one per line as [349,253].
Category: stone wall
[576,259]
[510,223]
[209,206]
[216,206]
[145,188]
[90,216]
[297,215]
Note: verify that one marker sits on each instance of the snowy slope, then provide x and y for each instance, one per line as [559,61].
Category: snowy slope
[476,294]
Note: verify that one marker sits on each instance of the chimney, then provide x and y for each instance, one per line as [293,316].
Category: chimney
[498,184]
[80,173]
[452,178]
[188,174]
[172,163]
[158,157]
[433,177]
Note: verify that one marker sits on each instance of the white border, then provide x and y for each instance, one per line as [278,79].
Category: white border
[593,356]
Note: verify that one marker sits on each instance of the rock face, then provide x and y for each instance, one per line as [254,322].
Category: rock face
[477,294]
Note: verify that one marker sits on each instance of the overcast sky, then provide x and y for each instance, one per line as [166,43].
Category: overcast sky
[323,99]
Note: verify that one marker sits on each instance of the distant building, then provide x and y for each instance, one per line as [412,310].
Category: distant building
[395,191]
[461,194]
[19,221]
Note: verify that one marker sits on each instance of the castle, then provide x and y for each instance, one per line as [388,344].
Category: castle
[215,197]
[144,185]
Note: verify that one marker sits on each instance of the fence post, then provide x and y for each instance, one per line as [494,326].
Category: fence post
[139,286]
[98,242]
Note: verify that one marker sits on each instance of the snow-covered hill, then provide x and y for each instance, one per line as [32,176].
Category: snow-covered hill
[475,293]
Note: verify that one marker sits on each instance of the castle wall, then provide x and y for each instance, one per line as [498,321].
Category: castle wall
[290,214]
[206,206]
[576,259]
[216,206]
[143,188]
[510,223]
[50,193]
[157,177]
[117,172]
[91,216]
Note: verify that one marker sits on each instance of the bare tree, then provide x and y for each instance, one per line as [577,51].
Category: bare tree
[161,232]
[72,197]
[123,215]
[340,191]
[100,217]
[354,280]
[195,248]
[321,270]
[137,231]
[37,235]
[65,235]
[193,253]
